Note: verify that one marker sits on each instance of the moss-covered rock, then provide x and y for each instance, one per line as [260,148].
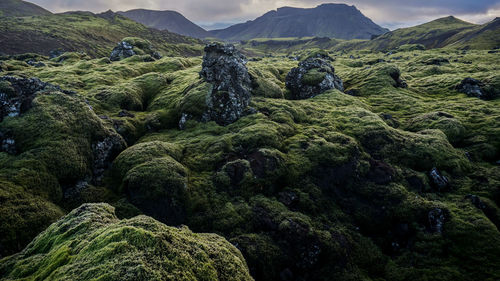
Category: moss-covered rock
[92,243]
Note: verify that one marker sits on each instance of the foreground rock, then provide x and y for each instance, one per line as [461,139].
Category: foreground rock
[16,94]
[314,76]
[225,68]
[133,46]
[475,88]
[92,243]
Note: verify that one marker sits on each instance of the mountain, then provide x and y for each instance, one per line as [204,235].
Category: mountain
[328,20]
[166,20]
[443,32]
[18,8]
[95,34]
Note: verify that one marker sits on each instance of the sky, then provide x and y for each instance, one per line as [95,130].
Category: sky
[387,13]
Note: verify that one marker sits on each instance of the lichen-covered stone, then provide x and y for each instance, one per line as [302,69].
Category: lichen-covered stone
[225,68]
[92,243]
[314,76]
[129,47]
[475,88]
[16,94]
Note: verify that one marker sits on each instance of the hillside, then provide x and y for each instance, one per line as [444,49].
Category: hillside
[328,20]
[95,34]
[444,32]
[19,8]
[166,20]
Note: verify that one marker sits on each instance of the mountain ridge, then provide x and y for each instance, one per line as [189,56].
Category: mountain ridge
[19,8]
[326,20]
[172,21]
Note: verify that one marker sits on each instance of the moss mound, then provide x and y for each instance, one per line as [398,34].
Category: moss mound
[91,243]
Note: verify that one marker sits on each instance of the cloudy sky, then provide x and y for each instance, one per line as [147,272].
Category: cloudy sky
[388,13]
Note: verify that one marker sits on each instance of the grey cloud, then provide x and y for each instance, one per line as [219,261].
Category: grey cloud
[230,10]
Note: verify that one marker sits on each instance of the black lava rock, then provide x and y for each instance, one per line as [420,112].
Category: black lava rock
[314,76]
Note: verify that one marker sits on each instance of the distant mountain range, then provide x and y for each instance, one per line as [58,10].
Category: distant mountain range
[328,20]
[166,20]
[17,8]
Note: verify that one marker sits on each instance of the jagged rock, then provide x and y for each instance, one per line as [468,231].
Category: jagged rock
[121,51]
[436,220]
[396,76]
[92,243]
[7,143]
[134,46]
[474,88]
[314,76]
[225,68]
[104,152]
[476,201]
[16,94]
[182,122]
[438,181]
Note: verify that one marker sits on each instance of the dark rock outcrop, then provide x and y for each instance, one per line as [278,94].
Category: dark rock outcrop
[7,143]
[396,76]
[438,181]
[121,51]
[436,220]
[133,46]
[314,76]
[104,152]
[225,68]
[16,94]
[475,88]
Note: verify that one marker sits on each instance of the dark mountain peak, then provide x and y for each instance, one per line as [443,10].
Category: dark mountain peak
[166,20]
[327,20]
[451,20]
[19,8]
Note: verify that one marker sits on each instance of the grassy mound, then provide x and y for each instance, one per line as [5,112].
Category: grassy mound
[91,243]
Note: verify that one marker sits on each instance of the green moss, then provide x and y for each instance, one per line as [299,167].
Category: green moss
[453,129]
[313,77]
[139,248]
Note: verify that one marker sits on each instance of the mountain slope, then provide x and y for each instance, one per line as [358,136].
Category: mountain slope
[440,33]
[328,20]
[486,36]
[84,31]
[166,20]
[18,8]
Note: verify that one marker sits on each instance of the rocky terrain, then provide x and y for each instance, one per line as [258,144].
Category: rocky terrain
[248,162]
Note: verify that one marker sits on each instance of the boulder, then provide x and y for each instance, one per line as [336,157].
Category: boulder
[436,220]
[16,94]
[7,143]
[474,88]
[438,181]
[105,152]
[396,76]
[129,47]
[225,68]
[312,77]
[121,51]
